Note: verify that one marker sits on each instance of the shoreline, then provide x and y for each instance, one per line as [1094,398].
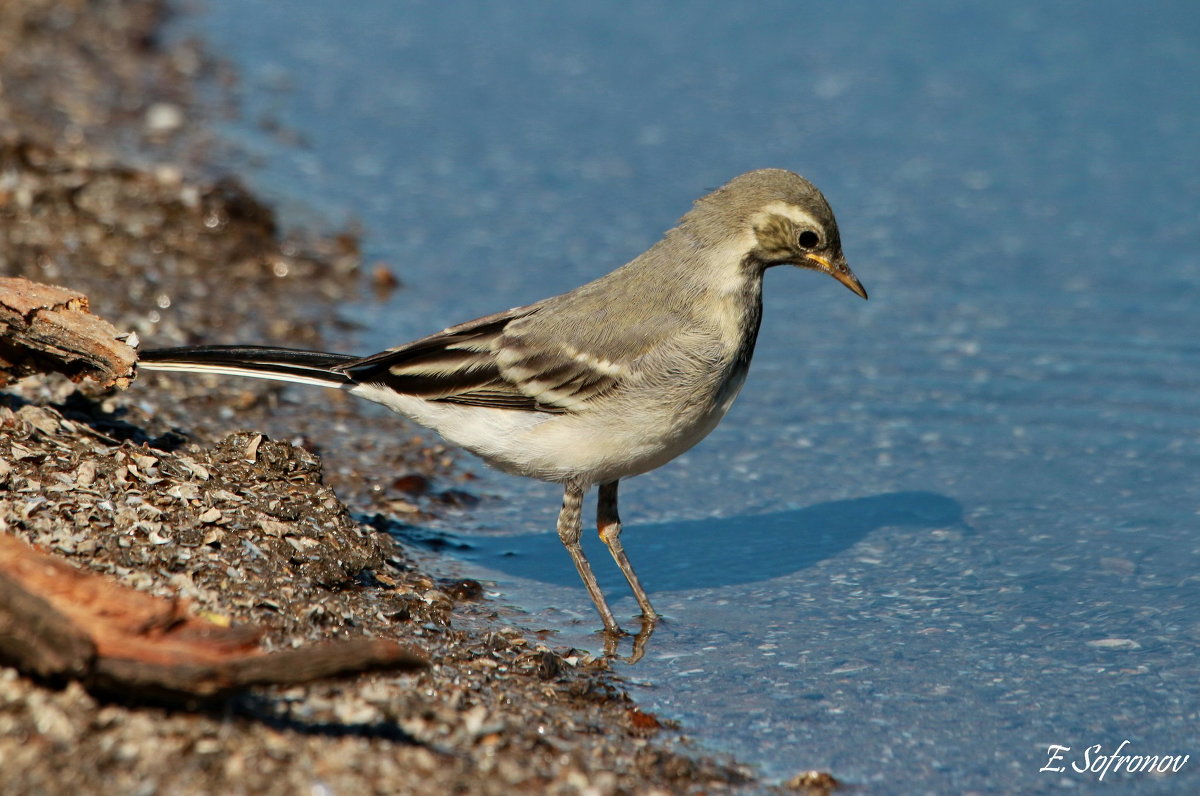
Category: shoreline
[147,486]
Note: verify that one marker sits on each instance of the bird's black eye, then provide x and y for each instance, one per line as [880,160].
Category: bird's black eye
[808,239]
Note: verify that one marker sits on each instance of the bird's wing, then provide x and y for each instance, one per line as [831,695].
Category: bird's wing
[457,365]
[518,359]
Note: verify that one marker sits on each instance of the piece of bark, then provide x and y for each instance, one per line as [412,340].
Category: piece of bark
[37,639]
[45,328]
[57,621]
[287,667]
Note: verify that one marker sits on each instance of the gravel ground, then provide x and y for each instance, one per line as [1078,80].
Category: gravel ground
[106,187]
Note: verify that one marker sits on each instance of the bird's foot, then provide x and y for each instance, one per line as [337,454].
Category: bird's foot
[613,638]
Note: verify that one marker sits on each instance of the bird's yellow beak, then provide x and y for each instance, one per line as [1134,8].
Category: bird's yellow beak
[839,271]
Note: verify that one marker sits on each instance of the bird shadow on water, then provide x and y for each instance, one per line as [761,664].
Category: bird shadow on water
[710,553]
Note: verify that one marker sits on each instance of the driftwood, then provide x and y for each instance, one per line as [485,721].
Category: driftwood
[58,622]
[44,328]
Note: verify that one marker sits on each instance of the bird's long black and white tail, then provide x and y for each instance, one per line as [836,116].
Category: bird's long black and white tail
[260,362]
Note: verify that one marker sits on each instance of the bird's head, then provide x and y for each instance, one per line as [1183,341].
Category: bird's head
[789,222]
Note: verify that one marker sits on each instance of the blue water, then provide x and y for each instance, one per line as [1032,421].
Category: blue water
[941,530]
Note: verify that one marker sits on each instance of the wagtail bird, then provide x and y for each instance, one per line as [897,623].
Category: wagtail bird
[612,379]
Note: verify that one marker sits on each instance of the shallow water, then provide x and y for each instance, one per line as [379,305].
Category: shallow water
[941,530]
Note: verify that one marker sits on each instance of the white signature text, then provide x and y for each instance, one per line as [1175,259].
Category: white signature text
[1095,761]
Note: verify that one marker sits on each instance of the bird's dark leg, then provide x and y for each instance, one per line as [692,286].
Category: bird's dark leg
[609,525]
[570,528]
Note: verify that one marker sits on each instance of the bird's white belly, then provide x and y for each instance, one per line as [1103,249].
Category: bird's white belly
[590,448]
[495,435]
